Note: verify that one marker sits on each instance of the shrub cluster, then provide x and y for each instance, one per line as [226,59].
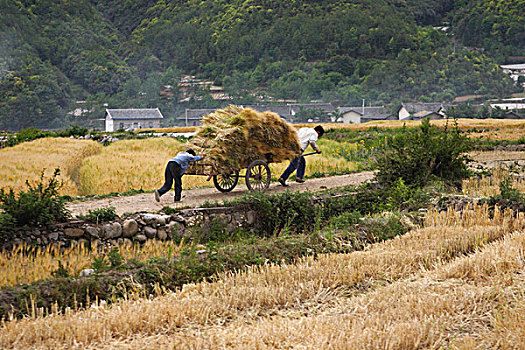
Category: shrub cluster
[31,134]
[99,215]
[419,155]
[508,197]
[291,210]
[39,205]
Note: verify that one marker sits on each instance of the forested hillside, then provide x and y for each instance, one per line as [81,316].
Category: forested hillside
[121,52]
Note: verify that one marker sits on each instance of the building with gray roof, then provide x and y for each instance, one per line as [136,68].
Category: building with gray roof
[363,114]
[408,110]
[132,118]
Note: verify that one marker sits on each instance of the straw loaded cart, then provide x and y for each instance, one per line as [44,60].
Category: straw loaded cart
[257,175]
[236,140]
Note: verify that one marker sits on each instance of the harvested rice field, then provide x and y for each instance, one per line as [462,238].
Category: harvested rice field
[456,282]
[89,168]
[26,161]
[494,129]
[449,278]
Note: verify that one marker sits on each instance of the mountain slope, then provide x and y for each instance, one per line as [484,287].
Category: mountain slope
[122,52]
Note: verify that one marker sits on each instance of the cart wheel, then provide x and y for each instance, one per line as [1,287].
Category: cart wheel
[226,182]
[258,176]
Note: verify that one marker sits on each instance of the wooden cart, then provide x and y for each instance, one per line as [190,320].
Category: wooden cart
[257,175]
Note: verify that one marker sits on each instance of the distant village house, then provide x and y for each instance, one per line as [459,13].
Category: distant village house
[131,119]
[192,117]
[514,71]
[357,115]
[419,111]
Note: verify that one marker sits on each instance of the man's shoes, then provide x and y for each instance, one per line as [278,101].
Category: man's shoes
[299,179]
[282,182]
[157,195]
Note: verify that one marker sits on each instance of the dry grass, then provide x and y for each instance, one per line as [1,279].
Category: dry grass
[19,267]
[88,168]
[496,129]
[497,155]
[141,163]
[27,160]
[234,137]
[199,316]
[487,186]
[455,306]
[131,164]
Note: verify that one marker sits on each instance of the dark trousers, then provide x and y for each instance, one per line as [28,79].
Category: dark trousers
[173,173]
[297,163]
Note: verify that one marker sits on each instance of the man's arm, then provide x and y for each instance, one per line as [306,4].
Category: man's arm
[196,158]
[314,146]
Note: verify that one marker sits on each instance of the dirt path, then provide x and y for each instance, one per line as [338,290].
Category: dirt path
[193,198]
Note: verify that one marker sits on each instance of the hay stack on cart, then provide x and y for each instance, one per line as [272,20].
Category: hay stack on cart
[235,138]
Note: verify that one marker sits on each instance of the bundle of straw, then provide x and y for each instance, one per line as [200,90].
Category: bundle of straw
[234,137]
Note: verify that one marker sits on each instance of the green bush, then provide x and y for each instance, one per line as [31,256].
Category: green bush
[99,215]
[418,155]
[291,210]
[508,197]
[7,225]
[26,135]
[73,130]
[39,205]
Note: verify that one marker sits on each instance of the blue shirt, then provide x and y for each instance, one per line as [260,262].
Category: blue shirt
[183,159]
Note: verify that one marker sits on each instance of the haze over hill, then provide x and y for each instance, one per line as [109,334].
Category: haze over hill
[123,53]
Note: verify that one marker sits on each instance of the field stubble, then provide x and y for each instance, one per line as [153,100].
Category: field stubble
[19,266]
[26,161]
[140,164]
[284,305]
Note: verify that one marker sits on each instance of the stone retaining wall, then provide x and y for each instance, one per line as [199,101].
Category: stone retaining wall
[138,227]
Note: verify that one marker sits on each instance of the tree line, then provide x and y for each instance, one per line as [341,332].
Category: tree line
[121,53]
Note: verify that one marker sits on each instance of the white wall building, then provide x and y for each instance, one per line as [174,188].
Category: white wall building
[131,119]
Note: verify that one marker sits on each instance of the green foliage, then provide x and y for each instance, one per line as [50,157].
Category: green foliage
[61,271]
[311,115]
[115,258]
[99,263]
[428,152]
[508,197]
[105,261]
[25,135]
[73,130]
[293,210]
[123,52]
[495,25]
[39,205]
[99,215]
[7,226]
[344,221]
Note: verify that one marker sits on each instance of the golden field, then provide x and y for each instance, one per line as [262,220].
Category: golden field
[27,160]
[487,186]
[495,129]
[20,267]
[88,168]
[455,283]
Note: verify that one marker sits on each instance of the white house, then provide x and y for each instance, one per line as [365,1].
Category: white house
[508,103]
[131,119]
[415,110]
[514,70]
[363,114]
